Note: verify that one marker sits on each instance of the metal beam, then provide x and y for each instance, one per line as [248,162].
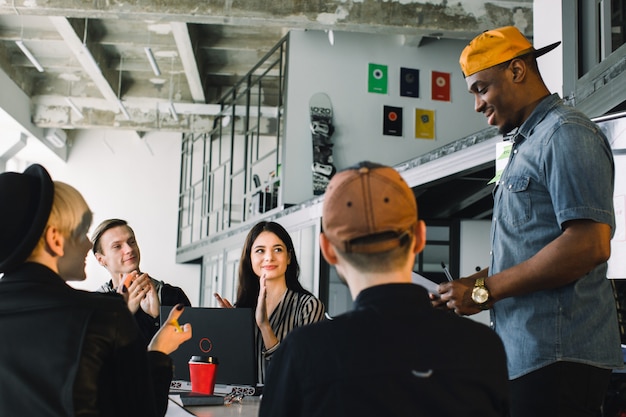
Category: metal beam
[413,17]
[462,203]
[187,56]
[86,59]
[54,112]
[13,143]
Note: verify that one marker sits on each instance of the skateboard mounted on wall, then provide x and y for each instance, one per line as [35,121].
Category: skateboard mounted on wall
[321,116]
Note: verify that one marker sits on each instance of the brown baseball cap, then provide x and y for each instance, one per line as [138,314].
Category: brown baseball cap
[496,46]
[368,208]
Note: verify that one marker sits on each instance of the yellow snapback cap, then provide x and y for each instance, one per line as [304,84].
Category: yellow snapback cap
[496,46]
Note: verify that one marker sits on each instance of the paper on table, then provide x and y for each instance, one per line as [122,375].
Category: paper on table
[430,286]
[175,409]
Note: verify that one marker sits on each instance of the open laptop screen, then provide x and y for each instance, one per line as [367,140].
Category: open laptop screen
[227,333]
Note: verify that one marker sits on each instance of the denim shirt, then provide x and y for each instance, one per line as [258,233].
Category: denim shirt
[560,168]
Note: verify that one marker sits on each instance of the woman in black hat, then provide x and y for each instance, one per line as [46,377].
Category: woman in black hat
[67,352]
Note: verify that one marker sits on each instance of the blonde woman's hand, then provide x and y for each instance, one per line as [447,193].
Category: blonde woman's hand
[171,335]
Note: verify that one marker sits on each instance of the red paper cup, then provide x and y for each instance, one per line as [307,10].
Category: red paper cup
[202,371]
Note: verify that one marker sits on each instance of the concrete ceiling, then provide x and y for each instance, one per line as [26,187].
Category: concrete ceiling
[94,53]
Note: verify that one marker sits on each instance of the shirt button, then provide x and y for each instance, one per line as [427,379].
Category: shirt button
[510,186]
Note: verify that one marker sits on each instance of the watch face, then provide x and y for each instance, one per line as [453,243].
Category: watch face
[480,295]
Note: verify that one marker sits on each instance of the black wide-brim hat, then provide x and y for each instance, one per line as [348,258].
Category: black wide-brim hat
[25,205]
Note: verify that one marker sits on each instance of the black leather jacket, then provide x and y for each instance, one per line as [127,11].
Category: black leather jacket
[66,352]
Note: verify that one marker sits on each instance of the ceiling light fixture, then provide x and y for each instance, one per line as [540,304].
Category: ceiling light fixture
[57,137]
[331,37]
[74,107]
[152,60]
[29,55]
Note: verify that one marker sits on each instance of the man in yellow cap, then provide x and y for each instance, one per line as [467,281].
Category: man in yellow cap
[553,219]
[393,354]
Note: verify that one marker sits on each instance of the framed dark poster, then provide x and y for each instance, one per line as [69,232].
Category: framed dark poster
[392,121]
[409,82]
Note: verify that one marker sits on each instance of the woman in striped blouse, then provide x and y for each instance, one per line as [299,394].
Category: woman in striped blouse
[268,283]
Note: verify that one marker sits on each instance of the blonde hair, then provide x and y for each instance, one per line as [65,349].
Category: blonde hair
[70,212]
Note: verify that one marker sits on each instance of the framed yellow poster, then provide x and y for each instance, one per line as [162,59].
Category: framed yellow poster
[424,124]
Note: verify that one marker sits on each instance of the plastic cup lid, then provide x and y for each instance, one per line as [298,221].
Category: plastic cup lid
[204,359]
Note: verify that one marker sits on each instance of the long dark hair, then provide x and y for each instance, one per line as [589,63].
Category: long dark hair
[248,291]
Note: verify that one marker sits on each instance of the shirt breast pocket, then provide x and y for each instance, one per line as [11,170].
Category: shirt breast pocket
[516,205]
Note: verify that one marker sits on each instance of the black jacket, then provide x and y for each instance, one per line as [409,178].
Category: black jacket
[392,355]
[66,352]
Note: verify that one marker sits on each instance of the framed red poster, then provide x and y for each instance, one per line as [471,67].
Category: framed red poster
[440,86]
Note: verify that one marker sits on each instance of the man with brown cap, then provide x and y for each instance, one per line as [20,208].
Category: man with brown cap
[393,354]
[553,219]
[66,352]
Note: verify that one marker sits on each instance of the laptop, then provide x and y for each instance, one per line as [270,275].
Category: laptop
[228,334]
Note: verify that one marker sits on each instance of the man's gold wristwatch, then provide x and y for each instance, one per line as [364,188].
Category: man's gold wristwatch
[480,294]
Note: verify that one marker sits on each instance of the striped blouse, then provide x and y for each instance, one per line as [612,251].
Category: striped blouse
[294,310]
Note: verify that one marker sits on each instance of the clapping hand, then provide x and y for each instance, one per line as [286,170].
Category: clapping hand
[222,302]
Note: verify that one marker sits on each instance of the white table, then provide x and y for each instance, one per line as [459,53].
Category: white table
[248,408]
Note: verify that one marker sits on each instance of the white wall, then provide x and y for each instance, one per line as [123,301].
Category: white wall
[134,179]
[474,246]
[547,29]
[341,71]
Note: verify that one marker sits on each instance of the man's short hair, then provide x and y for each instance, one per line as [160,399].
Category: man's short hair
[103,227]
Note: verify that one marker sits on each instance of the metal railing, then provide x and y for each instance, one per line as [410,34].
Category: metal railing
[231,174]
